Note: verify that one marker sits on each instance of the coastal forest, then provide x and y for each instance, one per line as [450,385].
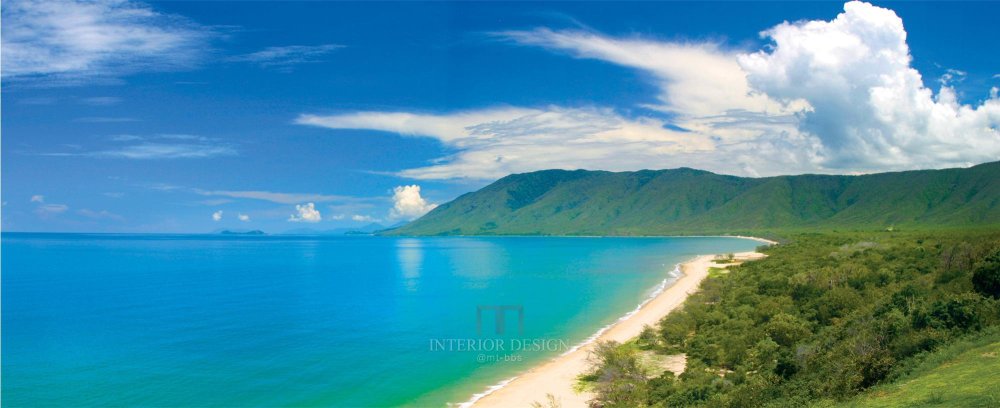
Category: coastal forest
[827,319]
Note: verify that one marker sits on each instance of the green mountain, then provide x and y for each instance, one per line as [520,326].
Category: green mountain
[688,201]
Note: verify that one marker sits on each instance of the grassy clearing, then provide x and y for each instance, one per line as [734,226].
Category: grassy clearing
[714,272]
[964,374]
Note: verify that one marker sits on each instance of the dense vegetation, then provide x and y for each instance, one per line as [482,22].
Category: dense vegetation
[823,318]
[687,201]
[962,374]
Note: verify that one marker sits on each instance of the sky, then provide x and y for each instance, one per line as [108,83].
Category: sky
[189,116]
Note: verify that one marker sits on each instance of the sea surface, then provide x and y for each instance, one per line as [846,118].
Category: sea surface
[208,320]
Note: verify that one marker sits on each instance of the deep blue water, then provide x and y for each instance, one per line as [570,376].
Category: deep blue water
[200,320]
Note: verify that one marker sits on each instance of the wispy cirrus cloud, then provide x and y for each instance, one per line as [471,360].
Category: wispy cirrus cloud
[100,215]
[101,100]
[150,151]
[164,146]
[105,119]
[495,142]
[64,42]
[46,211]
[286,57]
[276,197]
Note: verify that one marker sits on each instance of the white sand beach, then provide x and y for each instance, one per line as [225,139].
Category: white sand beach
[557,376]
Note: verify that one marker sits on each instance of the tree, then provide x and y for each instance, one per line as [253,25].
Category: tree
[621,380]
[986,277]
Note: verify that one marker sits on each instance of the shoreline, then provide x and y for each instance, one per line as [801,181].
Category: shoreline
[557,376]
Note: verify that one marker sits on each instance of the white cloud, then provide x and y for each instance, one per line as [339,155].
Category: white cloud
[408,204]
[215,201]
[72,40]
[101,100]
[147,151]
[696,79]
[870,108]
[362,218]
[100,215]
[162,146]
[276,197]
[700,84]
[217,216]
[951,76]
[49,210]
[243,217]
[285,57]
[306,213]
[830,96]
[44,210]
[495,142]
[54,208]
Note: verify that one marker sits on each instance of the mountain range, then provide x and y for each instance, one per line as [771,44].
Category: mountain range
[689,201]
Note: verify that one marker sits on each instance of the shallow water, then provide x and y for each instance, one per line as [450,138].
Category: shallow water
[202,320]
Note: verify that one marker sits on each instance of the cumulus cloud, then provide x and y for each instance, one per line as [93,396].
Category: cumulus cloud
[306,213]
[869,107]
[407,203]
[362,218]
[217,216]
[243,217]
[833,96]
[37,198]
[69,40]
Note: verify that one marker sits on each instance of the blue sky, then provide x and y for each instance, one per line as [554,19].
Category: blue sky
[195,116]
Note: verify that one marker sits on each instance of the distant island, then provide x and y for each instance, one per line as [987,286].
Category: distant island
[251,232]
[690,202]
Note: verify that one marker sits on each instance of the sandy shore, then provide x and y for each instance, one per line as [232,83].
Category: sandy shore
[557,376]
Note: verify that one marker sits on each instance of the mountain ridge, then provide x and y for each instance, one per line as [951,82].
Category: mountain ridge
[690,201]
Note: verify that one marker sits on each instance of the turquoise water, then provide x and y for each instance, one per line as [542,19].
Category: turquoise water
[199,320]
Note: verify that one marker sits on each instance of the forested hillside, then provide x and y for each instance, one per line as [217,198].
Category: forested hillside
[687,201]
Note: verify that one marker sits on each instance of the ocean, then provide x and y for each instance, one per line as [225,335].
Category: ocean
[352,321]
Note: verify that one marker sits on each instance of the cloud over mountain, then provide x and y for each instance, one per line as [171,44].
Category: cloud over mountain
[833,96]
